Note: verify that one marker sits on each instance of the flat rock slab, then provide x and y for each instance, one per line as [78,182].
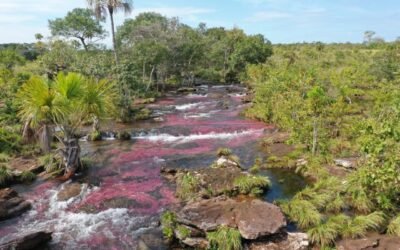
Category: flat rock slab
[253,218]
[30,241]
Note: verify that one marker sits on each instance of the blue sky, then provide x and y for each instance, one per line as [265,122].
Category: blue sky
[281,21]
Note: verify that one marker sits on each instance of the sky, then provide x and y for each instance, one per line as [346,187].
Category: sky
[281,21]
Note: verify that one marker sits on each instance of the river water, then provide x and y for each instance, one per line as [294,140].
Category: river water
[124,193]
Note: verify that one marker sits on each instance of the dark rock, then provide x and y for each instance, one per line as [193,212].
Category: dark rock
[197,243]
[186,90]
[123,136]
[11,205]
[30,241]
[254,218]
[37,169]
[69,191]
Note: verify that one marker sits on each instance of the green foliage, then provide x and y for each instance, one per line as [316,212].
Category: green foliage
[250,184]
[50,163]
[224,152]
[359,225]
[183,231]
[394,226]
[27,176]
[168,223]
[5,175]
[303,212]
[225,238]
[94,136]
[324,234]
[187,185]
[79,24]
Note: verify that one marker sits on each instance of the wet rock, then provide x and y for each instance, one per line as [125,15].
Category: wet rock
[289,241]
[35,240]
[69,191]
[253,218]
[141,101]
[123,136]
[222,104]
[373,241]
[37,169]
[158,119]
[11,204]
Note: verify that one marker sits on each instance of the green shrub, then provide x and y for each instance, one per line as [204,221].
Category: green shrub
[168,223]
[183,231]
[394,226]
[224,152]
[359,225]
[94,136]
[50,163]
[251,184]
[5,175]
[225,238]
[27,176]
[187,185]
[4,157]
[303,212]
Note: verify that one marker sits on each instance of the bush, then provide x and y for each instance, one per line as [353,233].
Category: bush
[250,184]
[225,238]
[187,185]
[27,176]
[5,175]
[303,212]
[394,226]
[50,163]
[224,152]
[168,223]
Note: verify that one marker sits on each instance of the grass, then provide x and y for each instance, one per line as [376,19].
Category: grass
[49,162]
[187,185]
[5,175]
[184,232]
[251,184]
[359,225]
[303,212]
[394,226]
[225,238]
[27,176]
[224,152]
[94,136]
[324,234]
[168,223]
[4,157]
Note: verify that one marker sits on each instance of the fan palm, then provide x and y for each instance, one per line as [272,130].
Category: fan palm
[102,8]
[64,104]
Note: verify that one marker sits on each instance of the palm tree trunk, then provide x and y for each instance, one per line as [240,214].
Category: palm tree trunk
[113,35]
[45,138]
[71,157]
[315,138]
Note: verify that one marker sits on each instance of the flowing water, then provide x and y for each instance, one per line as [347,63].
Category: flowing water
[124,194]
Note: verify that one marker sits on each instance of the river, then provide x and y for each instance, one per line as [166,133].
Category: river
[123,194]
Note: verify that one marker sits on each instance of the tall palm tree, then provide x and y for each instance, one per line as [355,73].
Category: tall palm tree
[64,104]
[102,8]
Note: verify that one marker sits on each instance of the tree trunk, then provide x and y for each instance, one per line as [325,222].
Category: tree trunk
[45,138]
[83,43]
[28,135]
[113,35]
[151,77]
[315,137]
[96,124]
[144,72]
[71,157]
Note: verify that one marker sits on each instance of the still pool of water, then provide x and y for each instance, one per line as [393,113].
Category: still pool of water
[124,194]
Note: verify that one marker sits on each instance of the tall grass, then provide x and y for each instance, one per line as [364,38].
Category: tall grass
[225,238]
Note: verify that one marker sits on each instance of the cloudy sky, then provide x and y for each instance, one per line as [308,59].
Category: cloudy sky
[281,21]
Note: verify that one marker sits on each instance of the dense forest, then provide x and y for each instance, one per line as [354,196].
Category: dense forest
[330,102]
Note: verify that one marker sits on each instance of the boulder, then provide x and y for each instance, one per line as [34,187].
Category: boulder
[225,162]
[197,243]
[289,241]
[30,241]
[11,204]
[69,191]
[253,218]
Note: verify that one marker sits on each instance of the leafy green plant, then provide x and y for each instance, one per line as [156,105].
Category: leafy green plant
[187,185]
[394,226]
[5,175]
[94,136]
[49,162]
[251,184]
[325,233]
[168,223]
[4,157]
[183,231]
[303,212]
[27,176]
[225,238]
[359,225]
[224,152]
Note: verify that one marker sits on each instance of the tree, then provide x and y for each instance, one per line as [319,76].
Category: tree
[64,104]
[80,24]
[103,7]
